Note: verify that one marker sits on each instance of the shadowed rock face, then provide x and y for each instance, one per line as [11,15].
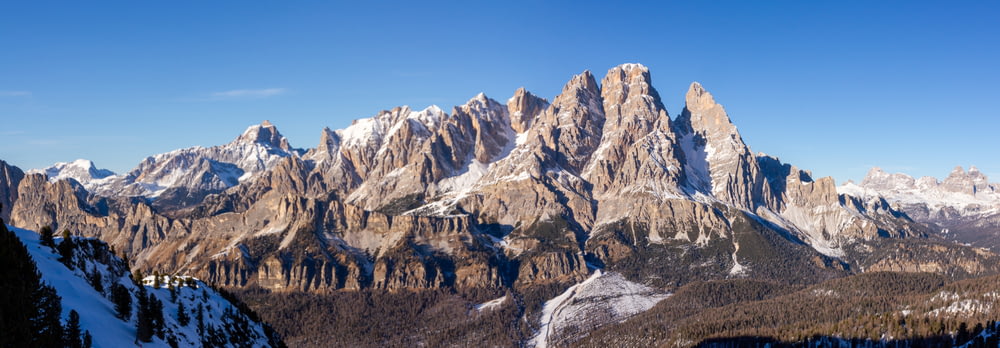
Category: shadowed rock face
[488,195]
[10,178]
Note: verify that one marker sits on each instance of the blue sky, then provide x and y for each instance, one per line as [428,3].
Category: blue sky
[833,87]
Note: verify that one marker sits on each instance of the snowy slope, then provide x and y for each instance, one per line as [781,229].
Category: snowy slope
[81,170]
[97,312]
[601,299]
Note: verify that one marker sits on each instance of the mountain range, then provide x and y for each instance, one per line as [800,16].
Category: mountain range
[547,203]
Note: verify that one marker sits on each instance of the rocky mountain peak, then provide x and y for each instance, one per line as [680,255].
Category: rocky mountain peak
[328,139]
[625,81]
[880,180]
[697,98]
[523,107]
[970,182]
[265,134]
[578,87]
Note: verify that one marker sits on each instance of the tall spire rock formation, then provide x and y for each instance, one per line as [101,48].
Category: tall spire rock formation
[524,107]
[719,164]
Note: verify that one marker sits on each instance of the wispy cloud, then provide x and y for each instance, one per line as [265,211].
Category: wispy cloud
[250,93]
[15,94]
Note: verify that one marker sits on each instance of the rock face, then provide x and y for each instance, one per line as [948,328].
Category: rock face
[964,207]
[520,194]
[10,178]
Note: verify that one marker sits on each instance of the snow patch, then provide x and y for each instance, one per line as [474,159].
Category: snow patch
[600,299]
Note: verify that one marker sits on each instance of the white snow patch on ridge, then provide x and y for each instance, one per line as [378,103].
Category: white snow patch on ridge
[491,304]
[601,299]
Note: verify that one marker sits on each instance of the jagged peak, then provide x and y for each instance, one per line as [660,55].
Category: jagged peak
[958,170]
[523,107]
[626,81]
[522,97]
[875,171]
[265,134]
[328,138]
[698,98]
[584,81]
[631,66]
[80,169]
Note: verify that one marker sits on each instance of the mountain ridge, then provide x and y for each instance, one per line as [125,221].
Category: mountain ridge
[514,196]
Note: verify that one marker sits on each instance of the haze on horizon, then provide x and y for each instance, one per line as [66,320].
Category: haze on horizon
[833,88]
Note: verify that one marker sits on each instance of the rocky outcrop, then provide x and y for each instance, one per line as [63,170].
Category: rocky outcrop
[718,163]
[10,178]
[524,107]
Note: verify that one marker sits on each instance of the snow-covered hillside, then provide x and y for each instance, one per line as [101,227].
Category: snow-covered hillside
[78,288]
[82,170]
[601,299]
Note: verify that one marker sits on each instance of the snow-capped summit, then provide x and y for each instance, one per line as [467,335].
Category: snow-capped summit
[82,170]
[964,205]
[186,175]
[265,134]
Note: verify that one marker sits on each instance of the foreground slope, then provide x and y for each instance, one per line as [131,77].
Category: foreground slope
[85,286]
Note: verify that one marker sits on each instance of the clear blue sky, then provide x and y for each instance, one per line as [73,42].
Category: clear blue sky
[835,87]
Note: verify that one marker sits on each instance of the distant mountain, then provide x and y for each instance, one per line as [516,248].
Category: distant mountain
[87,283]
[965,206]
[81,170]
[183,177]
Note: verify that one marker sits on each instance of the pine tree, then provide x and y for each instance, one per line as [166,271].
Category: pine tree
[47,236]
[144,322]
[156,279]
[66,249]
[46,324]
[96,280]
[72,337]
[182,317]
[29,309]
[122,300]
[962,335]
[88,341]
[156,313]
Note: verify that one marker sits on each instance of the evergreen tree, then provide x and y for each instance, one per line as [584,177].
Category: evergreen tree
[144,322]
[173,290]
[88,341]
[122,300]
[66,249]
[96,280]
[29,309]
[72,333]
[156,279]
[47,236]
[962,335]
[137,277]
[46,324]
[182,317]
[156,313]
[200,317]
